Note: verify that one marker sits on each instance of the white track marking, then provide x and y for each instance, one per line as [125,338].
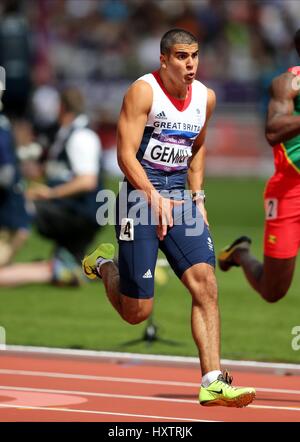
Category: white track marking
[277,390]
[93,394]
[107,413]
[132,397]
[95,378]
[162,360]
[274,407]
[126,380]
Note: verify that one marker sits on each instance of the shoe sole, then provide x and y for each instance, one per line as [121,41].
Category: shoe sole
[85,267]
[225,266]
[88,273]
[239,402]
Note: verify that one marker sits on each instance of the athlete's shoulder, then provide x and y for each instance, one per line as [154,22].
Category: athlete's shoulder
[211,96]
[141,88]
[138,97]
[198,85]
[282,85]
[148,78]
[211,101]
[208,94]
[204,89]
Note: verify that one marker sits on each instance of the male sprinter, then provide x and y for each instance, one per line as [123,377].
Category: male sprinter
[161,133]
[272,279]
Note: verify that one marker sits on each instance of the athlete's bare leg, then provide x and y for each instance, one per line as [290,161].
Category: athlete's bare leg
[10,243]
[201,282]
[132,310]
[26,273]
[271,279]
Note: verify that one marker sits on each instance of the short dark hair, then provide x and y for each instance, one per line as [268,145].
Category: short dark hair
[72,100]
[297,41]
[176,36]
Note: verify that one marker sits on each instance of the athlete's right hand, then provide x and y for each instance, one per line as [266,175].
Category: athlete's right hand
[163,208]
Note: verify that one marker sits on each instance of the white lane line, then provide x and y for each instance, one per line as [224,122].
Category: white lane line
[179,361]
[274,407]
[107,413]
[96,378]
[277,390]
[126,380]
[132,397]
[92,394]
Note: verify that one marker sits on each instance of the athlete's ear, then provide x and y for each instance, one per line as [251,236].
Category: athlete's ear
[162,61]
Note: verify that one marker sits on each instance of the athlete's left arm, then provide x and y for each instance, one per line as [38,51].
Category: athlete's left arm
[195,176]
[196,162]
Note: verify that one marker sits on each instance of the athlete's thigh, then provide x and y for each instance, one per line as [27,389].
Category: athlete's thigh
[186,244]
[282,224]
[137,260]
[138,245]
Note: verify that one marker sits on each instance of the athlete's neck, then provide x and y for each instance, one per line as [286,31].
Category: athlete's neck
[180,92]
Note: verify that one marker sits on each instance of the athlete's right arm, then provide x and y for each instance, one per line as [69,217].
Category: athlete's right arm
[281,124]
[132,121]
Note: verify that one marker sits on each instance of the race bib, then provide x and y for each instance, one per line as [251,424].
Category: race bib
[271,208]
[127,229]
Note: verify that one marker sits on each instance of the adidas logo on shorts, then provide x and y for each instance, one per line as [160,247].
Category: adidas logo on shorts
[148,274]
[210,244]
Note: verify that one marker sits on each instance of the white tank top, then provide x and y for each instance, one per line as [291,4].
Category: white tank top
[170,133]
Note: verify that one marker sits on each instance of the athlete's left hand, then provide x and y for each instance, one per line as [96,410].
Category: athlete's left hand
[163,208]
[202,209]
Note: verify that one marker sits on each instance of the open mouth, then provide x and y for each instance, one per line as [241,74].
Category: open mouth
[190,76]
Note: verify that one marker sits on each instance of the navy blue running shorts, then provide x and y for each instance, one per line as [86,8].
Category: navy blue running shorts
[184,245]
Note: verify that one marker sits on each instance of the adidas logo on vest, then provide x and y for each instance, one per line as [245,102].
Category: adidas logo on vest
[148,274]
[161,115]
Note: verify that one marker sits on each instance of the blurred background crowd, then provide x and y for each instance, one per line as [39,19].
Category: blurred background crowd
[95,49]
[101,46]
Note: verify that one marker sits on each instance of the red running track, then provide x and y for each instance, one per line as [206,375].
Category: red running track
[48,388]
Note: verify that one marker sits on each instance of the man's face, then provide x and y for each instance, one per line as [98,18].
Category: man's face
[182,62]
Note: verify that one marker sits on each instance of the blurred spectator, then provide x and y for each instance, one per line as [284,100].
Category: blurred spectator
[15,57]
[65,207]
[45,112]
[115,40]
[13,216]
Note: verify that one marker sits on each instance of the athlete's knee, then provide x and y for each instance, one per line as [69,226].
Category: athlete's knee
[204,288]
[137,314]
[277,278]
[275,293]
[135,318]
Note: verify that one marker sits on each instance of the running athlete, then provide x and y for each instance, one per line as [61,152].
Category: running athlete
[161,132]
[272,279]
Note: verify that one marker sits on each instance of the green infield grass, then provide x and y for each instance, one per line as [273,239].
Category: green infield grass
[83,318]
